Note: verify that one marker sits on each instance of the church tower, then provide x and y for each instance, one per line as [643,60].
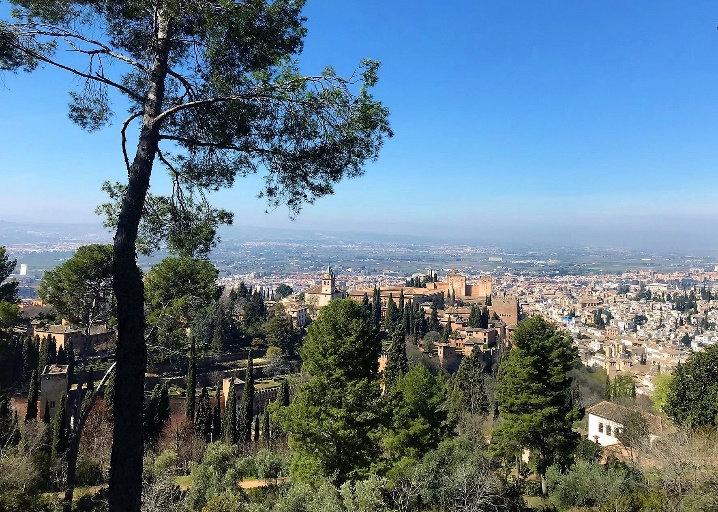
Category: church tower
[328,282]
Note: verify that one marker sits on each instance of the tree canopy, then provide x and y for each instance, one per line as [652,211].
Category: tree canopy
[333,420]
[535,396]
[80,289]
[692,398]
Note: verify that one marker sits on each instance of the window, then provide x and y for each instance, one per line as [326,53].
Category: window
[600,428]
[52,404]
[608,430]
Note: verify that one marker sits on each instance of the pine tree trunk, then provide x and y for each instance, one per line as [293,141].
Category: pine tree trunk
[125,492]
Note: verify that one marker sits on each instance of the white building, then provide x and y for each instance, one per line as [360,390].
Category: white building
[606,419]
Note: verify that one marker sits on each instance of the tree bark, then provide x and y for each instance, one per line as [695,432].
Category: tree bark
[125,493]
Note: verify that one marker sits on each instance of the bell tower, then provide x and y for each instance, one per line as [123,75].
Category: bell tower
[328,282]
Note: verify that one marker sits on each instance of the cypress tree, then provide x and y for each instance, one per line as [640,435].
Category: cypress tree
[203,419]
[44,355]
[365,302]
[397,363]
[475,317]
[9,429]
[469,386]
[191,385]
[70,356]
[376,309]
[256,429]
[90,379]
[400,313]
[61,357]
[406,320]
[283,396]
[32,397]
[217,414]
[229,422]
[59,431]
[434,320]
[52,350]
[46,415]
[29,358]
[488,300]
[484,318]
[246,404]
[266,431]
[390,314]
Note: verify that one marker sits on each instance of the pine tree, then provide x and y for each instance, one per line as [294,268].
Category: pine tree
[217,414]
[376,309]
[468,389]
[397,363]
[59,431]
[229,422]
[535,396]
[191,385]
[32,397]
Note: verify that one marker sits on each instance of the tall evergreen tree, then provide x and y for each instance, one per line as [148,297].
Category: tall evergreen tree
[256,429]
[61,357]
[475,317]
[30,356]
[229,421]
[283,396]
[266,429]
[365,302]
[32,397]
[46,419]
[59,430]
[52,349]
[376,309]
[434,320]
[44,355]
[191,385]
[217,414]
[203,418]
[400,312]
[70,357]
[390,314]
[468,389]
[406,320]
[484,318]
[397,363]
[9,428]
[535,397]
[246,404]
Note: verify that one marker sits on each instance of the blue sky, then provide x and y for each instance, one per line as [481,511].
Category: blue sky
[567,122]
